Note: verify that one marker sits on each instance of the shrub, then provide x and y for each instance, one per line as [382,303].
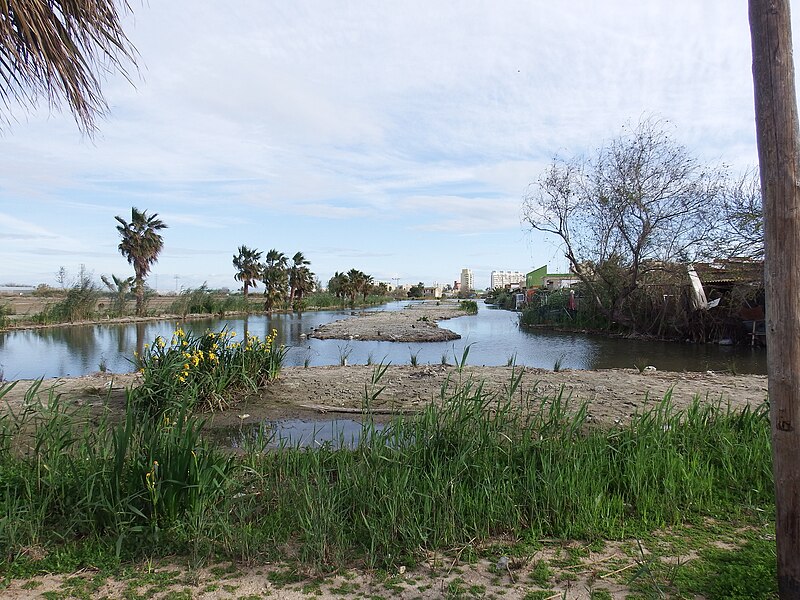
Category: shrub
[5,311]
[204,301]
[80,303]
[469,306]
[207,371]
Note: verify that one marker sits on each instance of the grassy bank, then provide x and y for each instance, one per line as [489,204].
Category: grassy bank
[89,305]
[469,468]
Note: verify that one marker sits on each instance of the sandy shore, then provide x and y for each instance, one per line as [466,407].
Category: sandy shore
[415,323]
[613,395]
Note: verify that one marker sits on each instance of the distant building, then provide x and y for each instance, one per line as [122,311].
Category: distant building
[535,278]
[467,281]
[434,290]
[502,279]
[553,281]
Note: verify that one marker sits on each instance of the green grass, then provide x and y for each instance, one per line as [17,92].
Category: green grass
[469,467]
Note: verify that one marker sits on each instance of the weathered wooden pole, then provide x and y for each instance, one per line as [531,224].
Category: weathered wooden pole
[779,163]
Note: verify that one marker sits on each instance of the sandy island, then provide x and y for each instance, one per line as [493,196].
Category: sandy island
[415,323]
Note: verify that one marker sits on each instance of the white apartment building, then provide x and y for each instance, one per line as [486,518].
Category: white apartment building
[467,281]
[500,279]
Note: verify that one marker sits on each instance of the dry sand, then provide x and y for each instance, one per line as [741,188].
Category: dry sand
[613,395]
[415,323]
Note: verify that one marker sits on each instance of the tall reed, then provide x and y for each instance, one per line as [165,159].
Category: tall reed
[471,465]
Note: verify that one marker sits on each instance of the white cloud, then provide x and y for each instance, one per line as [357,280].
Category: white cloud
[413,119]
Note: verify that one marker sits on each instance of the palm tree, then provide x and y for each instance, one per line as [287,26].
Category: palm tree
[275,279]
[298,273]
[366,285]
[120,288]
[140,245]
[60,49]
[355,284]
[337,285]
[248,267]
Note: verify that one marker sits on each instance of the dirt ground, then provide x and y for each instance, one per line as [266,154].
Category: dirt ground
[437,577]
[415,323]
[613,395]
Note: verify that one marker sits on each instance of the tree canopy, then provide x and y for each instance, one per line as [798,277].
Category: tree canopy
[637,205]
[140,245]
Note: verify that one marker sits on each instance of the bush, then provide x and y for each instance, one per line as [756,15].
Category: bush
[469,306]
[203,301]
[207,371]
[80,303]
[5,311]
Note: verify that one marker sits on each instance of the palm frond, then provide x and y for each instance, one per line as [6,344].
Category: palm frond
[57,49]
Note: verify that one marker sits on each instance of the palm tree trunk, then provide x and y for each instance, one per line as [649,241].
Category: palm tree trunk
[139,297]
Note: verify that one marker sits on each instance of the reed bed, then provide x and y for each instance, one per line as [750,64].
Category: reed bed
[471,466]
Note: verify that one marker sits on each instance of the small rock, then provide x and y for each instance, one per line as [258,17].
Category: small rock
[502,564]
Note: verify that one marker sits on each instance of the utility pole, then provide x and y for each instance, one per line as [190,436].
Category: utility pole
[779,164]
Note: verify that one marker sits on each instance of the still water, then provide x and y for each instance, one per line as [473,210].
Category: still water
[293,433]
[493,337]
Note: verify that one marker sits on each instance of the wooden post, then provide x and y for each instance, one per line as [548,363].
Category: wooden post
[777,135]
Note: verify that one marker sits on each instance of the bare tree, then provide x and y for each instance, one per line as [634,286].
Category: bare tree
[641,203]
[743,232]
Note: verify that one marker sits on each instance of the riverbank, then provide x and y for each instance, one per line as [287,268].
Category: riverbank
[417,322]
[15,324]
[613,395]
[456,509]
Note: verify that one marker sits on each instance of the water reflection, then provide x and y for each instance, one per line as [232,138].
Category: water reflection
[493,337]
[295,433]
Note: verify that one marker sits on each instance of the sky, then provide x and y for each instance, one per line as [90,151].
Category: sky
[396,138]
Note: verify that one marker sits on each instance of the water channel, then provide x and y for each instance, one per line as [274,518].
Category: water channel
[493,336]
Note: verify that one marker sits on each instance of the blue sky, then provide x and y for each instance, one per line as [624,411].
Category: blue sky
[396,138]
